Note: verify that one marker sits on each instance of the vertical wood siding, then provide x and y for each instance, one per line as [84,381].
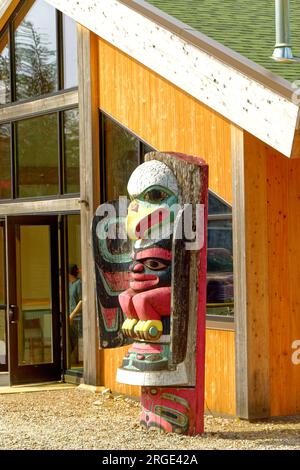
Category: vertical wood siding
[273,248]
[170,120]
[164,116]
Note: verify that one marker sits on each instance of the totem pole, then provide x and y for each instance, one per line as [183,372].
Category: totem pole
[150,270]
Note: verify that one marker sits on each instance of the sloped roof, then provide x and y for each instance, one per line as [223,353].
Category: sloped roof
[199,65]
[247,27]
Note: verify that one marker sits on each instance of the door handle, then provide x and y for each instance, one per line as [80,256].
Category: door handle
[11,313]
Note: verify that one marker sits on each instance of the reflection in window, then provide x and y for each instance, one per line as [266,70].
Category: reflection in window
[4,70]
[121,158]
[70,52]
[75,332]
[216,206]
[3,358]
[219,258]
[35,341]
[122,152]
[35,51]
[146,149]
[5,168]
[37,156]
[71,144]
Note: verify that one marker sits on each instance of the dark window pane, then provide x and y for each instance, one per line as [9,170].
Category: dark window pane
[146,149]
[35,50]
[217,206]
[219,268]
[37,156]
[71,142]
[5,175]
[121,158]
[4,70]
[70,52]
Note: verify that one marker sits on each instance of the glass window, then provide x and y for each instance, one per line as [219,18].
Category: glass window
[71,147]
[5,165]
[37,156]
[75,333]
[34,283]
[121,153]
[146,149]
[70,52]
[219,258]
[4,70]
[216,206]
[3,358]
[35,50]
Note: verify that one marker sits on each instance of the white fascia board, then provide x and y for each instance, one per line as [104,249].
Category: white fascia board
[247,103]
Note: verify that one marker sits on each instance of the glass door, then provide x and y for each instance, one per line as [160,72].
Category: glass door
[3,307]
[33,293]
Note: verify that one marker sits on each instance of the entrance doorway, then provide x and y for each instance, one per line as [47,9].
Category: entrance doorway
[3,306]
[73,364]
[33,299]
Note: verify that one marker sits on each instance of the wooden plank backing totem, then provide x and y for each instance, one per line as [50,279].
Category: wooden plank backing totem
[150,268]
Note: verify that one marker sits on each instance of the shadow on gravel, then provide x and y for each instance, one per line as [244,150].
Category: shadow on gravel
[266,432]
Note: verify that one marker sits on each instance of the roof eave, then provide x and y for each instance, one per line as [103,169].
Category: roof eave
[213,47]
[237,88]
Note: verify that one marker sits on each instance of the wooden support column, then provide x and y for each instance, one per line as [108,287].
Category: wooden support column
[239,259]
[250,277]
[89,192]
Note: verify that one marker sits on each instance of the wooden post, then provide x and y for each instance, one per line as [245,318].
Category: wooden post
[250,280]
[89,192]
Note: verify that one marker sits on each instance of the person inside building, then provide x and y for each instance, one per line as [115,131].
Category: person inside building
[75,312]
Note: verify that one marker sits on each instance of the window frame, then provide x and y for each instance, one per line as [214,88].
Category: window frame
[9,28]
[141,144]
[216,322]
[58,102]
[219,321]
[3,307]
[61,156]
[6,32]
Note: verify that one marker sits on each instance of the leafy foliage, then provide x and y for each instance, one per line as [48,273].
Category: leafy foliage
[36,68]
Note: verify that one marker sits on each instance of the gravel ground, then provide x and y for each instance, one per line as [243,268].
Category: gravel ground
[77,419]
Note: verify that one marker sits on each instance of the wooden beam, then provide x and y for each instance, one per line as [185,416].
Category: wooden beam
[296,145]
[239,270]
[257,269]
[6,9]
[250,247]
[90,192]
[40,207]
[25,110]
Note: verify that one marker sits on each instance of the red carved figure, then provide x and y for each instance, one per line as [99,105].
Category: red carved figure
[151,288]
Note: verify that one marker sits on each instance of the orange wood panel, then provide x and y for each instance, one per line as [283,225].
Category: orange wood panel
[4,18]
[220,372]
[163,115]
[23,12]
[111,359]
[273,273]
[219,378]
[169,119]
[257,276]
[284,275]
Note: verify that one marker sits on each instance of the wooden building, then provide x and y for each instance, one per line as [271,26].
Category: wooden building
[145,81]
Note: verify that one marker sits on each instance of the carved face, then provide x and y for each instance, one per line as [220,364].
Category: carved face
[154,193]
[151,268]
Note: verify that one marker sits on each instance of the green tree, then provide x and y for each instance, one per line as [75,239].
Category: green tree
[36,69]
[4,76]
